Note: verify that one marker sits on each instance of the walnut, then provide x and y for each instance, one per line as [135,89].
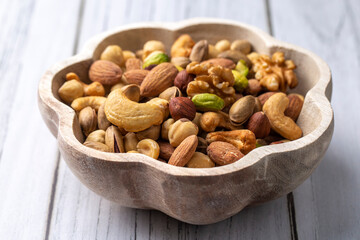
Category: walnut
[211,79]
[274,73]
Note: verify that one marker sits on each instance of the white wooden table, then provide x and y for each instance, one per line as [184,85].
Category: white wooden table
[41,198]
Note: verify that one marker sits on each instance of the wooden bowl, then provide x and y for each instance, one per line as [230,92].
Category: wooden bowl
[197,196]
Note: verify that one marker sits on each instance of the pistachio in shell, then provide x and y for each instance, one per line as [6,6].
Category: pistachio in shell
[242,110]
[114,139]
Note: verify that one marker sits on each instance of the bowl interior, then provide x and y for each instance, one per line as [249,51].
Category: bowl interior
[307,71]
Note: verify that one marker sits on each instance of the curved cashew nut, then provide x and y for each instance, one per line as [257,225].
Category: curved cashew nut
[244,139]
[132,116]
[92,101]
[209,121]
[274,109]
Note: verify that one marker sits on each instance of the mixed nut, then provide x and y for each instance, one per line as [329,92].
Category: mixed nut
[203,106]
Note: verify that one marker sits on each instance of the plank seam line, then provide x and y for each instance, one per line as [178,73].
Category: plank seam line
[268,17]
[292,216]
[56,173]
[52,197]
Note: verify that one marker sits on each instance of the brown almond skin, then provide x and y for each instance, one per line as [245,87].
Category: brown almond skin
[223,62]
[184,151]
[223,153]
[182,107]
[158,79]
[133,64]
[259,124]
[265,96]
[135,76]
[295,106]
[105,72]
[166,150]
[182,80]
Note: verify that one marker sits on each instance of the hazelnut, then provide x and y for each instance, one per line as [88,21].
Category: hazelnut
[166,150]
[259,124]
[253,87]
[182,80]
[182,107]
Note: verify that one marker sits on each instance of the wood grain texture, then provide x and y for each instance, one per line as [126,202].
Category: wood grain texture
[29,43]
[327,204]
[102,15]
[264,174]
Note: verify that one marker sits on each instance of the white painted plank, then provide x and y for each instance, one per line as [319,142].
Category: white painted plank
[327,205]
[35,35]
[79,213]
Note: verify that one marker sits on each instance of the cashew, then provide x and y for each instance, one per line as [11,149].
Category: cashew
[163,104]
[182,46]
[274,109]
[132,116]
[88,120]
[91,101]
[243,139]
[209,121]
[149,147]
[130,141]
[132,92]
[92,89]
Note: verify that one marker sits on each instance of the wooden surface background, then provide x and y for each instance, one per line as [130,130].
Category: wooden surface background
[39,196]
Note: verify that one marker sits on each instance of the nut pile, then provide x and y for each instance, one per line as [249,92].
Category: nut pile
[203,106]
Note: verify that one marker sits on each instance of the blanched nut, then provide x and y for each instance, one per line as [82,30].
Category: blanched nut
[209,121]
[128,54]
[182,46]
[213,52]
[274,109]
[97,145]
[222,45]
[200,160]
[96,136]
[243,139]
[149,147]
[113,53]
[197,119]
[152,46]
[91,101]
[92,89]
[129,115]
[180,130]
[274,73]
[114,140]
[165,128]
[130,141]
[152,133]
[70,91]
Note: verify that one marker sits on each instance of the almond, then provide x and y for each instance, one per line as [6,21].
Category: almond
[135,76]
[223,153]
[184,151]
[296,102]
[105,72]
[158,79]
[223,62]
[133,64]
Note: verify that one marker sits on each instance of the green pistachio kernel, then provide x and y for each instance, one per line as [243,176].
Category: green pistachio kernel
[242,68]
[208,102]
[156,59]
[240,82]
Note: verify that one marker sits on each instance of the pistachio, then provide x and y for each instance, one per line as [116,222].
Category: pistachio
[242,45]
[235,56]
[152,46]
[200,51]
[180,61]
[114,140]
[208,102]
[103,122]
[155,58]
[130,141]
[241,110]
[96,136]
[241,81]
[88,120]
[152,132]
[170,93]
